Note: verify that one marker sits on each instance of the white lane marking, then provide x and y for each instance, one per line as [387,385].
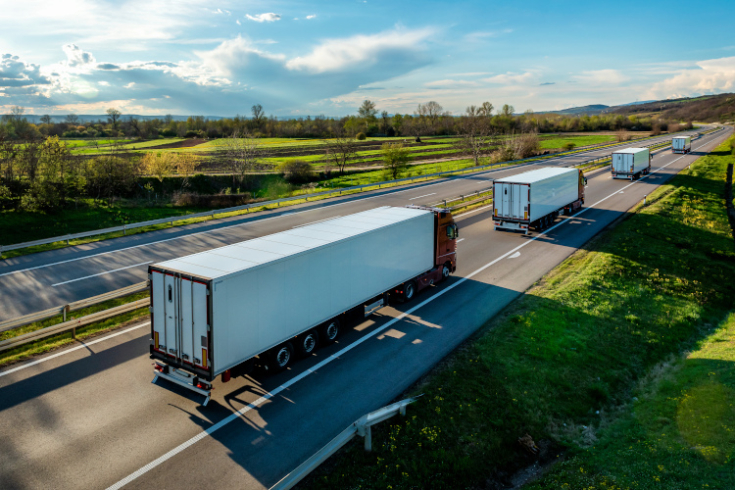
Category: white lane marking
[101,273]
[236,415]
[419,197]
[67,351]
[515,255]
[460,240]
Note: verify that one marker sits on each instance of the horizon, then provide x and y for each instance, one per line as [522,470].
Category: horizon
[298,59]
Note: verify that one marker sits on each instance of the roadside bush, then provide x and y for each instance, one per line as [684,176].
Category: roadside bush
[526,145]
[622,136]
[41,197]
[296,171]
[361,136]
[503,154]
[569,146]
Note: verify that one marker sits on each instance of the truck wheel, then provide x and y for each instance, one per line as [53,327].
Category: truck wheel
[307,343]
[330,331]
[446,270]
[409,291]
[280,357]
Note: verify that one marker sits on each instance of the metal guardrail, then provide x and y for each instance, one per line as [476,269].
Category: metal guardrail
[77,305]
[360,427]
[278,202]
[72,325]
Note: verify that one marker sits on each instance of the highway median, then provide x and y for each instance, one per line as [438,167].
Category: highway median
[584,381]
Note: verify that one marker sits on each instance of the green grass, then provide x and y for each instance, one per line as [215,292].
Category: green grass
[559,364]
[559,142]
[50,343]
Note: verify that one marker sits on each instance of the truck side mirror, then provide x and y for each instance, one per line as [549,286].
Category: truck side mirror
[585,181]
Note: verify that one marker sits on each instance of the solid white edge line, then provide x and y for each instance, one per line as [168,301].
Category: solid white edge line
[419,197]
[101,273]
[234,416]
[241,224]
[67,351]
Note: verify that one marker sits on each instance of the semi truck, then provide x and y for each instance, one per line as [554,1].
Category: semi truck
[265,301]
[534,199]
[681,144]
[631,163]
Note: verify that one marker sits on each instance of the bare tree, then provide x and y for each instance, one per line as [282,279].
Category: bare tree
[477,137]
[71,119]
[113,115]
[486,110]
[341,149]
[258,114]
[430,113]
[243,154]
[46,119]
[416,127]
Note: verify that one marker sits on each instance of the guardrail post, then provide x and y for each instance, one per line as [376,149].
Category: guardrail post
[1,251]
[125,230]
[65,310]
[74,333]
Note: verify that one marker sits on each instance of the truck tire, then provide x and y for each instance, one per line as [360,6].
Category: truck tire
[330,331]
[307,343]
[446,270]
[280,357]
[409,291]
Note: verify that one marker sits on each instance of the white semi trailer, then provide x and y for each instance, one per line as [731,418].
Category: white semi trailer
[536,198]
[274,297]
[681,144]
[631,163]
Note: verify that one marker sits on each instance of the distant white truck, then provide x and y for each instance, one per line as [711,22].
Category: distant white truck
[536,198]
[681,144]
[631,163]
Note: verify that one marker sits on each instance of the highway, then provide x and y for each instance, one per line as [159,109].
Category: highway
[89,417]
[35,282]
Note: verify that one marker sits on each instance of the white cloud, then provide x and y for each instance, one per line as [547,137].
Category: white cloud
[451,83]
[269,17]
[709,76]
[360,51]
[510,78]
[474,37]
[130,85]
[238,22]
[309,17]
[601,77]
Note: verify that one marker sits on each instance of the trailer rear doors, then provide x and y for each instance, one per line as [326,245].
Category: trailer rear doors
[179,320]
[511,200]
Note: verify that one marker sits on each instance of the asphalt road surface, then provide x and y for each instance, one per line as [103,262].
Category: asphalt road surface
[39,281]
[89,417]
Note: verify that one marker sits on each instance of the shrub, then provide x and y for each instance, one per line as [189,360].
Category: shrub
[211,201]
[527,145]
[361,136]
[569,146]
[296,171]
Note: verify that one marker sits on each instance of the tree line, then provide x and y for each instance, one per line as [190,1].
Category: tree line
[429,119]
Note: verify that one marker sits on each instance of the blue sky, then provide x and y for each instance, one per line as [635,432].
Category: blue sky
[298,58]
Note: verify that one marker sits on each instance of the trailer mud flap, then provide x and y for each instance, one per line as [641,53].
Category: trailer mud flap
[182,379]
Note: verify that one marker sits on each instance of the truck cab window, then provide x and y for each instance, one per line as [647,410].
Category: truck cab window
[452,232]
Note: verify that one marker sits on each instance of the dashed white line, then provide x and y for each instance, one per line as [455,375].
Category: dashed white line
[101,273]
[425,195]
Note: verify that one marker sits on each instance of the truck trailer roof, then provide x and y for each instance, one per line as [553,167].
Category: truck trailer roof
[631,151]
[536,175]
[231,259]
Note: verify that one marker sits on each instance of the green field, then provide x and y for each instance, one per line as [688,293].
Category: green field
[564,363]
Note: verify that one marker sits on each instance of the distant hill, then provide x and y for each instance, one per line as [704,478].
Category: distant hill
[708,108]
[579,111]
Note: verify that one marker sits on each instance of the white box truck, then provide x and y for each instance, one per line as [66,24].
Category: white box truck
[681,144]
[536,198]
[269,299]
[631,163]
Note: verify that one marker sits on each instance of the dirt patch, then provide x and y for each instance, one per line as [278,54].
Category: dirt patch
[187,143]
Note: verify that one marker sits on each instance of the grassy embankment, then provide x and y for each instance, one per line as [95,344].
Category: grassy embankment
[564,363]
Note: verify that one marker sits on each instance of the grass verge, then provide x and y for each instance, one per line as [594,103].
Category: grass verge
[45,345]
[560,364]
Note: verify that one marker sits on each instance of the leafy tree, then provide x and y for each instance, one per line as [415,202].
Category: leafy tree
[158,165]
[396,158]
[477,137]
[367,110]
